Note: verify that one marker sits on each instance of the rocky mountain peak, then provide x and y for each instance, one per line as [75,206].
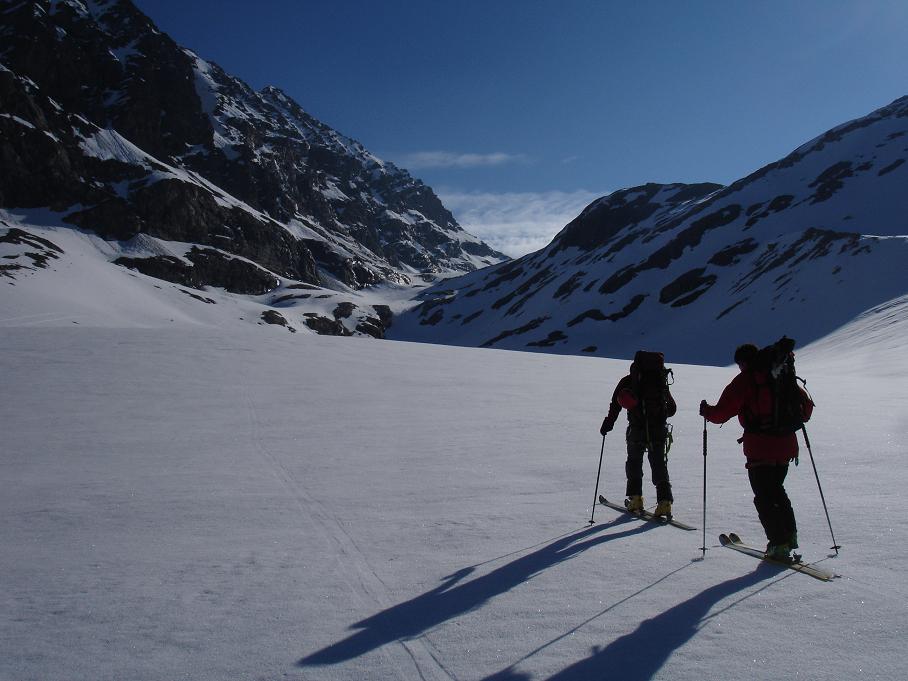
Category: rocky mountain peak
[150,138]
[600,222]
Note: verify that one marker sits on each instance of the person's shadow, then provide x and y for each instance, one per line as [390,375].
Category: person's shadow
[639,655]
[450,599]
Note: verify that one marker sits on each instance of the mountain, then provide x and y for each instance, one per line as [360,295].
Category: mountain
[133,168]
[193,177]
[802,246]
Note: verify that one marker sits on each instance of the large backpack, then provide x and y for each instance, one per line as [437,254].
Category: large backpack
[791,406]
[650,382]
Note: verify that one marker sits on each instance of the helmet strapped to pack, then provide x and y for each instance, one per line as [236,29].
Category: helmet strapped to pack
[776,363]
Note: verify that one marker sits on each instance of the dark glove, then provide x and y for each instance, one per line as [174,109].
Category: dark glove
[703,407]
[606,427]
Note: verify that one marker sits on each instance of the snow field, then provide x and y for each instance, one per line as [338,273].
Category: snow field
[187,502]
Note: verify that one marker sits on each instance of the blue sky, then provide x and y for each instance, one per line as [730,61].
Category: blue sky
[519,113]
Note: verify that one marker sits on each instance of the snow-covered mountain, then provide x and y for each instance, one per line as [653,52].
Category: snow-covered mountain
[193,177]
[127,158]
[801,246]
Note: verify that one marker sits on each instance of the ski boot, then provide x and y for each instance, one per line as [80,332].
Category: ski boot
[634,503]
[663,509]
[780,552]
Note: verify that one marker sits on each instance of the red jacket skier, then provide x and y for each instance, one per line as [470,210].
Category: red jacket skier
[768,454]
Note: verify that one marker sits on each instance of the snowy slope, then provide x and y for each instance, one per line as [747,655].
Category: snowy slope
[204,502]
[53,274]
[801,246]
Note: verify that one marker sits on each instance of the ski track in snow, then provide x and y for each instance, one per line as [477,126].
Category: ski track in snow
[33,319]
[419,653]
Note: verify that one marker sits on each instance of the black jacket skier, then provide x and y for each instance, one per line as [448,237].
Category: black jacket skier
[649,403]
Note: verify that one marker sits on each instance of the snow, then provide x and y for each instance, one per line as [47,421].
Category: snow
[17,119]
[301,230]
[108,145]
[123,54]
[205,85]
[331,192]
[186,495]
[406,219]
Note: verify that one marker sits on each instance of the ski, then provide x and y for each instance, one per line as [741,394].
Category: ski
[733,541]
[645,515]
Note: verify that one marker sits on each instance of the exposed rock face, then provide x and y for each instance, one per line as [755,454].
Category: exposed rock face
[22,251]
[800,247]
[275,317]
[107,121]
[208,267]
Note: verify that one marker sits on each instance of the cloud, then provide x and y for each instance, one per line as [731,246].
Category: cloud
[446,159]
[516,223]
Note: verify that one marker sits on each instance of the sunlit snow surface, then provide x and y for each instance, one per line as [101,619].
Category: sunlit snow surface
[205,498]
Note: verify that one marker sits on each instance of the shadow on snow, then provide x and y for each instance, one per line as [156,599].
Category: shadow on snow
[639,655]
[450,599]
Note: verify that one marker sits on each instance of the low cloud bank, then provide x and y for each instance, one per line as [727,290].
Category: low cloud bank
[516,223]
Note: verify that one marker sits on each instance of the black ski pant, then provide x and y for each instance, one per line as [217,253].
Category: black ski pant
[772,502]
[658,463]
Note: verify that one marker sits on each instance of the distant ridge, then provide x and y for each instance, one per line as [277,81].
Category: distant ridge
[802,246]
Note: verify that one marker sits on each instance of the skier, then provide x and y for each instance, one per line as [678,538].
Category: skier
[644,393]
[768,448]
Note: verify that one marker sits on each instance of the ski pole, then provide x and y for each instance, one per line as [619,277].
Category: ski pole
[835,546]
[703,548]
[598,473]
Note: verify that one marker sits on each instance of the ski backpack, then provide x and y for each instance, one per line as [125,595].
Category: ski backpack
[649,378]
[791,406]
